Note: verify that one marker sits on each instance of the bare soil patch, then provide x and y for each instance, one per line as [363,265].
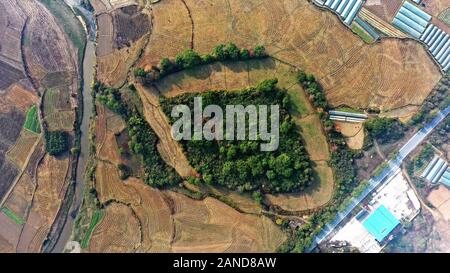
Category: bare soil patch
[353,133]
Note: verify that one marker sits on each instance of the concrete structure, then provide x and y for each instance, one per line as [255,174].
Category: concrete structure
[392,204]
[386,174]
[347,116]
[380,223]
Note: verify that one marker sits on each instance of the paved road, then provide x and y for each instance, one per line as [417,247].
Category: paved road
[386,173]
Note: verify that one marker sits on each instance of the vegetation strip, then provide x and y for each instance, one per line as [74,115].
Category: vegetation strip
[32,120]
[96,218]
[18,220]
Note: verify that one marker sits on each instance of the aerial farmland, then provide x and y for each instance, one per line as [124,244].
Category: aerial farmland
[90,92]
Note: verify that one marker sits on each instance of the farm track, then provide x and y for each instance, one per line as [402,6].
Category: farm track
[22,170]
[192,23]
[380,24]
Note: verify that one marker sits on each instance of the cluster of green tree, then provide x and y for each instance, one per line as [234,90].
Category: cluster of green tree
[344,170]
[240,165]
[424,156]
[112,98]
[190,58]
[385,130]
[124,170]
[142,142]
[56,142]
[438,99]
[342,162]
[313,88]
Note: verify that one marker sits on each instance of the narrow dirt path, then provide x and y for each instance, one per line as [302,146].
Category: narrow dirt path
[192,23]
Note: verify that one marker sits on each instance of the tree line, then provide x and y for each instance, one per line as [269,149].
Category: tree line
[143,139]
[342,162]
[189,59]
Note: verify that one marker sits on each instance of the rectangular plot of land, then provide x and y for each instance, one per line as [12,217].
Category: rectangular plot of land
[8,75]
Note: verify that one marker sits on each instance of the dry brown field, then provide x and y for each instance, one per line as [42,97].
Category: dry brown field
[12,21]
[9,234]
[112,69]
[315,196]
[10,128]
[122,33]
[172,222]
[118,232]
[107,126]
[165,221]
[17,96]
[19,201]
[435,7]
[51,186]
[130,24]
[440,199]
[352,72]
[385,9]
[23,148]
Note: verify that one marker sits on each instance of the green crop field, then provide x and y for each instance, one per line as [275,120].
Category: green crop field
[361,33]
[96,217]
[32,120]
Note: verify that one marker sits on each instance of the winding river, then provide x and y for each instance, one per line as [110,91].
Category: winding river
[88,76]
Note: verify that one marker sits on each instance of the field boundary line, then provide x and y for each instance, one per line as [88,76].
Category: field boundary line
[11,188]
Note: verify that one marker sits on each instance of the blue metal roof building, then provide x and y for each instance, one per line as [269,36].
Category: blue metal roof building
[380,223]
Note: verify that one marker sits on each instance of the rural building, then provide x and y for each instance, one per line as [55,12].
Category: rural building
[411,20]
[347,116]
[346,9]
[369,231]
[438,43]
[435,171]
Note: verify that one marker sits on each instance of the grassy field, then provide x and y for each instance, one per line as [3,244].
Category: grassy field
[315,140]
[96,218]
[349,109]
[32,120]
[18,220]
[361,33]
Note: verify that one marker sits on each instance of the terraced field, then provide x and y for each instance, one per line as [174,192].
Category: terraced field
[165,221]
[235,76]
[38,55]
[122,34]
[351,71]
